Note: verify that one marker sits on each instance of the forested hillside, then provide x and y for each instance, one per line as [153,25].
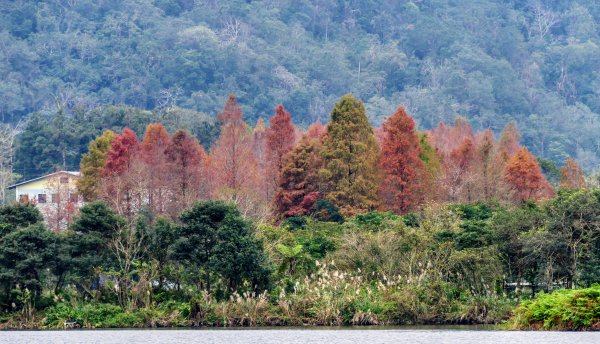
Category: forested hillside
[489,60]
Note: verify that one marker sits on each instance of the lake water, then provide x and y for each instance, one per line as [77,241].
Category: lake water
[267,336]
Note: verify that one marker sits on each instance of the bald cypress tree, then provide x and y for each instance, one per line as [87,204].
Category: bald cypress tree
[401,188]
[349,175]
[92,164]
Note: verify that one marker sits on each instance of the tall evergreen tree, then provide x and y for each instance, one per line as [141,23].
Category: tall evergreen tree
[489,168]
[350,175]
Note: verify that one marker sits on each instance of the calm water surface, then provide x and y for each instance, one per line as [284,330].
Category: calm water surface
[329,336]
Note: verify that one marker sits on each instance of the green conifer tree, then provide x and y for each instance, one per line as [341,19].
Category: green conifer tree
[349,176]
[92,164]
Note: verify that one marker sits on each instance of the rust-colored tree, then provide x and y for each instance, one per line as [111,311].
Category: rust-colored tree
[299,179]
[186,161]
[153,148]
[280,139]
[123,148]
[233,164]
[403,171]
[231,111]
[524,176]
[571,175]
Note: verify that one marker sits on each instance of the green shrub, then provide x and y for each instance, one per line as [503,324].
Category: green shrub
[374,220]
[88,315]
[560,310]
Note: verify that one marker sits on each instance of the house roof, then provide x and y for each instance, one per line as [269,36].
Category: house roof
[73,173]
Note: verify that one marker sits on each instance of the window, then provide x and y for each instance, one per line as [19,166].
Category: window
[24,198]
[73,198]
[55,198]
[41,198]
[64,180]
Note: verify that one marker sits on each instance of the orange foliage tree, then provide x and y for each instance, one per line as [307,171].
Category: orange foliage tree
[524,176]
[402,169]
[153,148]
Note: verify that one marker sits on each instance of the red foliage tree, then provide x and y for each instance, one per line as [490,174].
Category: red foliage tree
[571,175]
[123,148]
[123,175]
[153,148]
[186,161]
[524,176]
[280,139]
[231,112]
[403,171]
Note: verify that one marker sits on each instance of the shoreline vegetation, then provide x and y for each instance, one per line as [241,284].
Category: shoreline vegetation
[371,274]
[343,225]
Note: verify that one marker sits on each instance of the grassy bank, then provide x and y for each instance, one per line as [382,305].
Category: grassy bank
[326,298]
[560,310]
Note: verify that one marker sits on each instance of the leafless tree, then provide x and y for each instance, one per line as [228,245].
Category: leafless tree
[126,245]
[543,20]
[231,31]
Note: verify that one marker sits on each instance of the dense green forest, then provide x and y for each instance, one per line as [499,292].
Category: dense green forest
[489,60]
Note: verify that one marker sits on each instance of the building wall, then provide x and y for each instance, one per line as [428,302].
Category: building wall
[57,213]
[43,186]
